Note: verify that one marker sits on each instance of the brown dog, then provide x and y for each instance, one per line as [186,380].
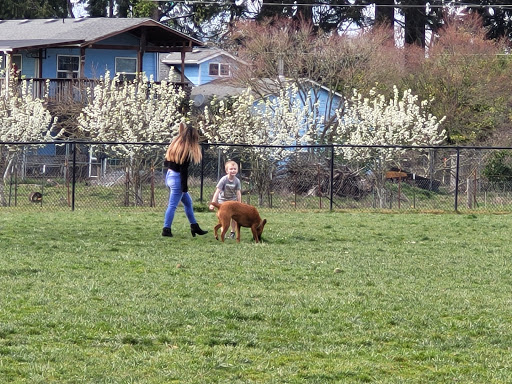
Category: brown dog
[245,215]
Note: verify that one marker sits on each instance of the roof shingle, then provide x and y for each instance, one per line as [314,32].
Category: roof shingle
[20,33]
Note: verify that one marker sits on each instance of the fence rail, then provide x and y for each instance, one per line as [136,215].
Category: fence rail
[82,175]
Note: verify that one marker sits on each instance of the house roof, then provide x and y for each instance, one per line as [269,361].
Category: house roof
[220,88]
[226,87]
[85,32]
[197,56]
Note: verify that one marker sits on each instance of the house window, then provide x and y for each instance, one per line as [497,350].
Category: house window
[126,67]
[217,69]
[68,67]
[224,69]
[16,63]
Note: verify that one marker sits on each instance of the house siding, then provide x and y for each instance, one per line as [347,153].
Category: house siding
[204,69]
[28,66]
[150,65]
[97,61]
[192,73]
[50,62]
[199,73]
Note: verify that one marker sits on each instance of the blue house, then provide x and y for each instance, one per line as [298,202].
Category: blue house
[67,51]
[64,57]
[324,99]
[204,65]
[209,70]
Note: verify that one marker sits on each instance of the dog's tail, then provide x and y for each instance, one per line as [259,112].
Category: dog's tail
[217,205]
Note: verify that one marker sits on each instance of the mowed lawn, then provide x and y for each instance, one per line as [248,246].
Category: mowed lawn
[101,297]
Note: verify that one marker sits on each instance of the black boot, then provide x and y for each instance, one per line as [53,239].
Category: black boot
[194,228]
[166,232]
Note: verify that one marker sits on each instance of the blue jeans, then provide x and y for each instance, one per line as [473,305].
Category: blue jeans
[173,181]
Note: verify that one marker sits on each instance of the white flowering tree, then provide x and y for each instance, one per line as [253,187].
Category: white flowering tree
[139,111]
[281,120]
[23,118]
[376,121]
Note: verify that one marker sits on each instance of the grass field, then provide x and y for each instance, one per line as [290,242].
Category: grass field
[101,297]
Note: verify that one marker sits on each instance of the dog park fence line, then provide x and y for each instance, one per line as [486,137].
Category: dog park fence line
[115,175]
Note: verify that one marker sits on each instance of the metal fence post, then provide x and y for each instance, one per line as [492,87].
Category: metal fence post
[457,179]
[73,185]
[202,174]
[331,193]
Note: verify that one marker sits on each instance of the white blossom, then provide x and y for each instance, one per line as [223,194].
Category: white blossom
[138,111]
[280,120]
[374,121]
[23,118]
[402,120]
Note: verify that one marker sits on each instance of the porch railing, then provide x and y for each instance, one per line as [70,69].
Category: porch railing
[65,90]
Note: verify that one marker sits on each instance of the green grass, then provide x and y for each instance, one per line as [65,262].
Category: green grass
[98,297]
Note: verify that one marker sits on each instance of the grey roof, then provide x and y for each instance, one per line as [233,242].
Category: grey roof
[220,88]
[7,45]
[84,31]
[197,56]
[223,88]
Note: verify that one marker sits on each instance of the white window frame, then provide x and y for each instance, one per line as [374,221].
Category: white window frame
[134,74]
[67,72]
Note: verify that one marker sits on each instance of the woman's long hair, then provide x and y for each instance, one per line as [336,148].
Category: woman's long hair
[185,146]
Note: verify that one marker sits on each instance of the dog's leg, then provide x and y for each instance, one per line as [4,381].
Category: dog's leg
[238,227]
[215,229]
[225,228]
[223,219]
[254,233]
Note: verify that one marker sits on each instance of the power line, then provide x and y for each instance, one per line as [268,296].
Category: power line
[450,5]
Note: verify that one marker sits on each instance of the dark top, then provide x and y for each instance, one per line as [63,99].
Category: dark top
[182,169]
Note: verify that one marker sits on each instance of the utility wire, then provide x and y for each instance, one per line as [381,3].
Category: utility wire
[450,5]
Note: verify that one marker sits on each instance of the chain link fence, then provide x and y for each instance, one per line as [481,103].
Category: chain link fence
[113,176]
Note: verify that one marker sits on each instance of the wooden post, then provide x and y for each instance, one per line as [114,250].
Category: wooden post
[469,192]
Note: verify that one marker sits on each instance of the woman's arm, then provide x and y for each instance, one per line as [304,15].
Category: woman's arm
[184,176]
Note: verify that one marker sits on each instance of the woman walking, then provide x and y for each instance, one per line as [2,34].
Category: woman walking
[182,150]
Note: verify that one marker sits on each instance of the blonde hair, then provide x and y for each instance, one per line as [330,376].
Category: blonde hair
[185,146]
[228,163]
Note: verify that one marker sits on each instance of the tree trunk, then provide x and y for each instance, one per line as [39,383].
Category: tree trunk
[415,21]
[6,174]
[3,200]
[111,8]
[127,184]
[385,12]
[70,9]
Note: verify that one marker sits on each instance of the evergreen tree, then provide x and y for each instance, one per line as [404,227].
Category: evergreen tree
[122,8]
[325,16]
[417,18]
[97,8]
[33,9]
[385,12]
[497,17]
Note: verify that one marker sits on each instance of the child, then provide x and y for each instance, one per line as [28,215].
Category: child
[228,188]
